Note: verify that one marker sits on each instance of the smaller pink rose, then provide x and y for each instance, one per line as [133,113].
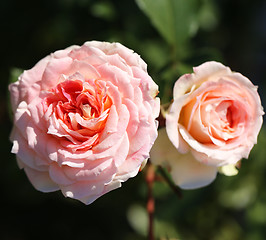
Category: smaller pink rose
[213,122]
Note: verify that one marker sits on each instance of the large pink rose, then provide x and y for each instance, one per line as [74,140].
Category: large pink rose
[213,122]
[84,119]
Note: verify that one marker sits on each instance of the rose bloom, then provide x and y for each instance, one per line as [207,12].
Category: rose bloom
[84,119]
[212,123]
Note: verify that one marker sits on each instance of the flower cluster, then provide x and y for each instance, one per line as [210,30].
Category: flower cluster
[85,121]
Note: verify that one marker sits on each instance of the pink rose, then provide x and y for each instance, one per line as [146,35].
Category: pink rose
[213,122]
[84,119]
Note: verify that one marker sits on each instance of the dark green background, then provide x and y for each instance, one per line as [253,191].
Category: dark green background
[233,32]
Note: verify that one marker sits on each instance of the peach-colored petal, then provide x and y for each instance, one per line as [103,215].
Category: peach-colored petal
[98,170]
[85,191]
[26,155]
[138,97]
[58,176]
[15,95]
[119,63]
[211,70]
[151,89]
[131,58]
[140,138]
[52,72]
[212,155]
[172,124]
[107,188]
[114,94]
[122,151]
[27,88]
[108,138]
[133,164]
[41,180]
[85,69]
[130,168]
[186,171]
[65,52]
[134,117]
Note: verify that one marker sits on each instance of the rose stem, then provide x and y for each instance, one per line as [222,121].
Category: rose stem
[175,188]
[150,176]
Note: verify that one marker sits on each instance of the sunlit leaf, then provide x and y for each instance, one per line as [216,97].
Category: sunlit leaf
[174,19]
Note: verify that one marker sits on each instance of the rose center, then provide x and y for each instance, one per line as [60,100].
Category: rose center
[74,97]
[229,117]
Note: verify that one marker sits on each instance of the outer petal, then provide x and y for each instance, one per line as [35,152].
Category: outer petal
[257,107]
[107,188]
[186,171]
[65,52]
[52,72]
[26,88]
[88,191]
[131,58]
[206,71]
[58,176]
[210,71]
[172,125]
[41,180]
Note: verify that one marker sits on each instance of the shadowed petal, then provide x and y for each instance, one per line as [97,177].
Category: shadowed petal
[186,171]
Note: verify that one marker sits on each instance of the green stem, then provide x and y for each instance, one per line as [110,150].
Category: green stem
[175,188]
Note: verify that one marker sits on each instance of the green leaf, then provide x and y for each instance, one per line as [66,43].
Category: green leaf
[176,20]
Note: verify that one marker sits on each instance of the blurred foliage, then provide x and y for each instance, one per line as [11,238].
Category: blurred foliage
[179,20]
[174,19]
[230,208]
[171,36]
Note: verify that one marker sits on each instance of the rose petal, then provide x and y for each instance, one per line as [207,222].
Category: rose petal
[172,118]
[41,180]
[65,52]
[131,58]
[58,176]
[108,138]
[85,69]
[26,89]
[107,188]
[186,172]
[53,70]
